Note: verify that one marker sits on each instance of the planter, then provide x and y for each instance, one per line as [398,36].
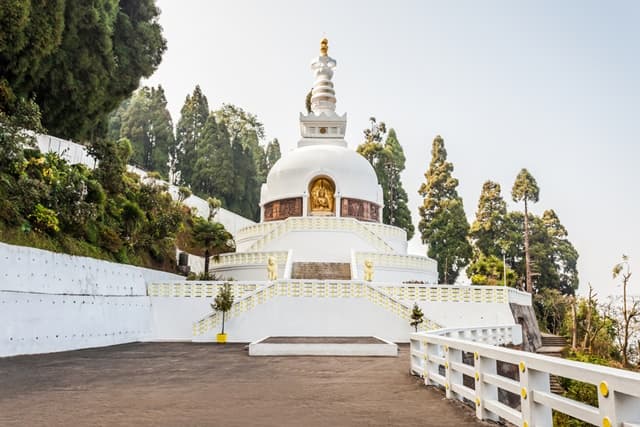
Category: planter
[221,338]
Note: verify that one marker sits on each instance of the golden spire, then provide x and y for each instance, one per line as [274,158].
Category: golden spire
[324,46]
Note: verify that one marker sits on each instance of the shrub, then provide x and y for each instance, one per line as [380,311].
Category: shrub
[45,219]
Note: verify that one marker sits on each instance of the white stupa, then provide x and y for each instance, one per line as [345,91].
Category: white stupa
[321,209]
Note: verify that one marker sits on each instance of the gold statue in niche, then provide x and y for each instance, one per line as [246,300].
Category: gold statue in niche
[321,196]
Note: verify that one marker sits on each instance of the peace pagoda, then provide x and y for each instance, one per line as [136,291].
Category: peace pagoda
[321,209]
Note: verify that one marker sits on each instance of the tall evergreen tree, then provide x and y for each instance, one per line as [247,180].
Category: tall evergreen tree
[553,258]
[272,153]
[193,117]
[147,124]
[526,189]
[388,161]
[564,254]
[78,60]
[31,31]
[443,225]
[487,231]
[213,172]
[245,198]
[246,131]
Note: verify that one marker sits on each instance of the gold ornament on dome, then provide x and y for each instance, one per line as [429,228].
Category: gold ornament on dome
[324,47]
[322,196]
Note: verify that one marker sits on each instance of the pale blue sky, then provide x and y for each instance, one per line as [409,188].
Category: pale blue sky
[550,86]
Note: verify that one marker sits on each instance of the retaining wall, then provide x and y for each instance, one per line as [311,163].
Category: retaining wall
[55,302]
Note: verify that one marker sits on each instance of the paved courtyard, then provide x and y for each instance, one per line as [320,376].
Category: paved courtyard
[184,384]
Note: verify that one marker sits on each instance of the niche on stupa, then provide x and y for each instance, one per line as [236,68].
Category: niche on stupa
[322,200]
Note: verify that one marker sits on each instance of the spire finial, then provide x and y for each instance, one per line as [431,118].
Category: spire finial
[324,46]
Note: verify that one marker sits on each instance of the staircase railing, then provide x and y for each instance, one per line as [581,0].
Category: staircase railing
[313,289]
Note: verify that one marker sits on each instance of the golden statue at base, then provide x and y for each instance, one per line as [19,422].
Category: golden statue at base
[272,268]
[324,46]
[321,192]
[368,270]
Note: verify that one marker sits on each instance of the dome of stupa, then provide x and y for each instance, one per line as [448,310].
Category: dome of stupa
[351,173]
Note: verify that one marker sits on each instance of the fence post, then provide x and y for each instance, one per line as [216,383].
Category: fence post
[616,407]
[533,414]
[452,376]
[484,391]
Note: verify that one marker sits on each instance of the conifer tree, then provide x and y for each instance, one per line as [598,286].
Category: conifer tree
[272,153]
[487,231]
[193,117]
[213,172]
[78,60]
[563,254]
[388,161]
[526,189]
[147,124]
[443,225]
[245,133]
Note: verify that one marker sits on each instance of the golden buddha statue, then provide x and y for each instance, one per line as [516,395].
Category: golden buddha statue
[322,195]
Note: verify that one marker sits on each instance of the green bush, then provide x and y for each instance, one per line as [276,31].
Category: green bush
[45,219]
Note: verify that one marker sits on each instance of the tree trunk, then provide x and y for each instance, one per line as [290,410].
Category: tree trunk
[574,325]
[206,262]
[223,322]
[527,260]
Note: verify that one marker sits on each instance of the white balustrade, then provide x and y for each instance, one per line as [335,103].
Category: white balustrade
[386,230]
[249,297]
[321,223]
[401,292]
[618,390]
[414,262]
[250,258]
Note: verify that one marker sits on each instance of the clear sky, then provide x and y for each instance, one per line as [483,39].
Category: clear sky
[547,85]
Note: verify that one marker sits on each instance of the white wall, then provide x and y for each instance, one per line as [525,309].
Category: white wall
[70,151]
[320,246]
[55,302]
[43,323]
[281,316]
[466,314]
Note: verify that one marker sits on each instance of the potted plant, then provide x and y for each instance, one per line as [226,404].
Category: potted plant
[223,303]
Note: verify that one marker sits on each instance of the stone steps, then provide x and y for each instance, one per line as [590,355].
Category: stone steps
[553,345]
[321,270]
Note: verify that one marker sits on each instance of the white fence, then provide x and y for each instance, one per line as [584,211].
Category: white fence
[435,351]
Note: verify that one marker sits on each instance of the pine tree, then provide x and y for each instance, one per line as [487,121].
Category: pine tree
[193,117]
[272,153]
[526,189]
[388,161]
[564,255]
[147,124]
[487,231]
[78,60]
[553,258]
[417,316]
[245,134]
[395,212]
[246,196]
[213,172]
[443,225]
